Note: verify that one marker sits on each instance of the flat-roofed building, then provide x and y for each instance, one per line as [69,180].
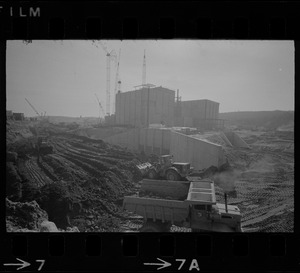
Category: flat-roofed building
[9,114]
[197,113]
[18,116]
[145,106]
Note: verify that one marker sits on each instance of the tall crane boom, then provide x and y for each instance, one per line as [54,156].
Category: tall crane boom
[100,106]
[33,107]
[144,69]
[109,57]
[117,81]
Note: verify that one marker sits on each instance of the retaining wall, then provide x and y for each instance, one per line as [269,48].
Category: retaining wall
[235,139]
[199,153]
[226,140]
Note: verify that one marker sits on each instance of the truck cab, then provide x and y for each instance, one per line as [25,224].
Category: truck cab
[206,214]
[215,218]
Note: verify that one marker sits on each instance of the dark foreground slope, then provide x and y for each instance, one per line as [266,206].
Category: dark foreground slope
[81,183]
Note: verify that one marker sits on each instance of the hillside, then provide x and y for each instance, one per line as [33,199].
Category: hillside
[270,120]
[58,119]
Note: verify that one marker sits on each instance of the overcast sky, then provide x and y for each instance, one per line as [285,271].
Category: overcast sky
[61,77]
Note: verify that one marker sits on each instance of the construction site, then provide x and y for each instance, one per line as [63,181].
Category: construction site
[153,163]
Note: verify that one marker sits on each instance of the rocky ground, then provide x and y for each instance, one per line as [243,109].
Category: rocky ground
[81,184]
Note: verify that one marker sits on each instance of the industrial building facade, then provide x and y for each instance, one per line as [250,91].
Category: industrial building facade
[148,105]
[197,113]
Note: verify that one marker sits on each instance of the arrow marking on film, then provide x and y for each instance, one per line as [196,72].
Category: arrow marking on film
[23,264]
[163,265]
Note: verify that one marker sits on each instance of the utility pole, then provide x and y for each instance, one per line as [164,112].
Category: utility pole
[144,69]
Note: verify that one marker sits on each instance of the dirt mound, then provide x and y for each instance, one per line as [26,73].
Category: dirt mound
[211,137]
[82,182]
[26,215]
[17,131]
[13,182]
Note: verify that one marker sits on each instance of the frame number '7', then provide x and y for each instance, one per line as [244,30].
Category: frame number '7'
[42,264]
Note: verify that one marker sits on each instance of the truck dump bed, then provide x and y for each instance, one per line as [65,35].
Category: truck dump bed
[157,209]
[164,189]
[169,200]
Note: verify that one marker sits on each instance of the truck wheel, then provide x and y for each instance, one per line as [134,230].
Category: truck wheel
[151,226]
[172,175]
[152,174]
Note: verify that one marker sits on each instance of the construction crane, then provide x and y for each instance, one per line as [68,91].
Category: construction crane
[100,106]
[110,55]
[144,69]
[117,81]
[33,108]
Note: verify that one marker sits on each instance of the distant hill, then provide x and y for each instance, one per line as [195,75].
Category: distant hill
[58,119]
[270,120]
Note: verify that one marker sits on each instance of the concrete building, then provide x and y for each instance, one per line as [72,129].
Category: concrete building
[110,120]
[148,105]
[197,113]
[9,114]
[18,116]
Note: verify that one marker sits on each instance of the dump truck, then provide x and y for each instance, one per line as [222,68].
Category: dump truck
[182,203]
[166,169]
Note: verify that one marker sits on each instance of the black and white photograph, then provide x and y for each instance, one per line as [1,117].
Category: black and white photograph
[150,136]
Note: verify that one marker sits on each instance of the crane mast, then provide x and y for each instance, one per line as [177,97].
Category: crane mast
[109,56]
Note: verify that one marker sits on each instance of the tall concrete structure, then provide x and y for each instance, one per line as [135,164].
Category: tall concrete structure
[148,105]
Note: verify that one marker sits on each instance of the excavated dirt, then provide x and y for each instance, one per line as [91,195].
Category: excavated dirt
[83,181]
[264,181]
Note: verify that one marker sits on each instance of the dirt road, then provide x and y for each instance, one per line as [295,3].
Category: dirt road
[265,184]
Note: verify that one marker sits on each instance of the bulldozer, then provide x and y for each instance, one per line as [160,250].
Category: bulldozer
[166,169]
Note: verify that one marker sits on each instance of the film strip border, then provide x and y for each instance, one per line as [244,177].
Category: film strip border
[149,20]
[149,252]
